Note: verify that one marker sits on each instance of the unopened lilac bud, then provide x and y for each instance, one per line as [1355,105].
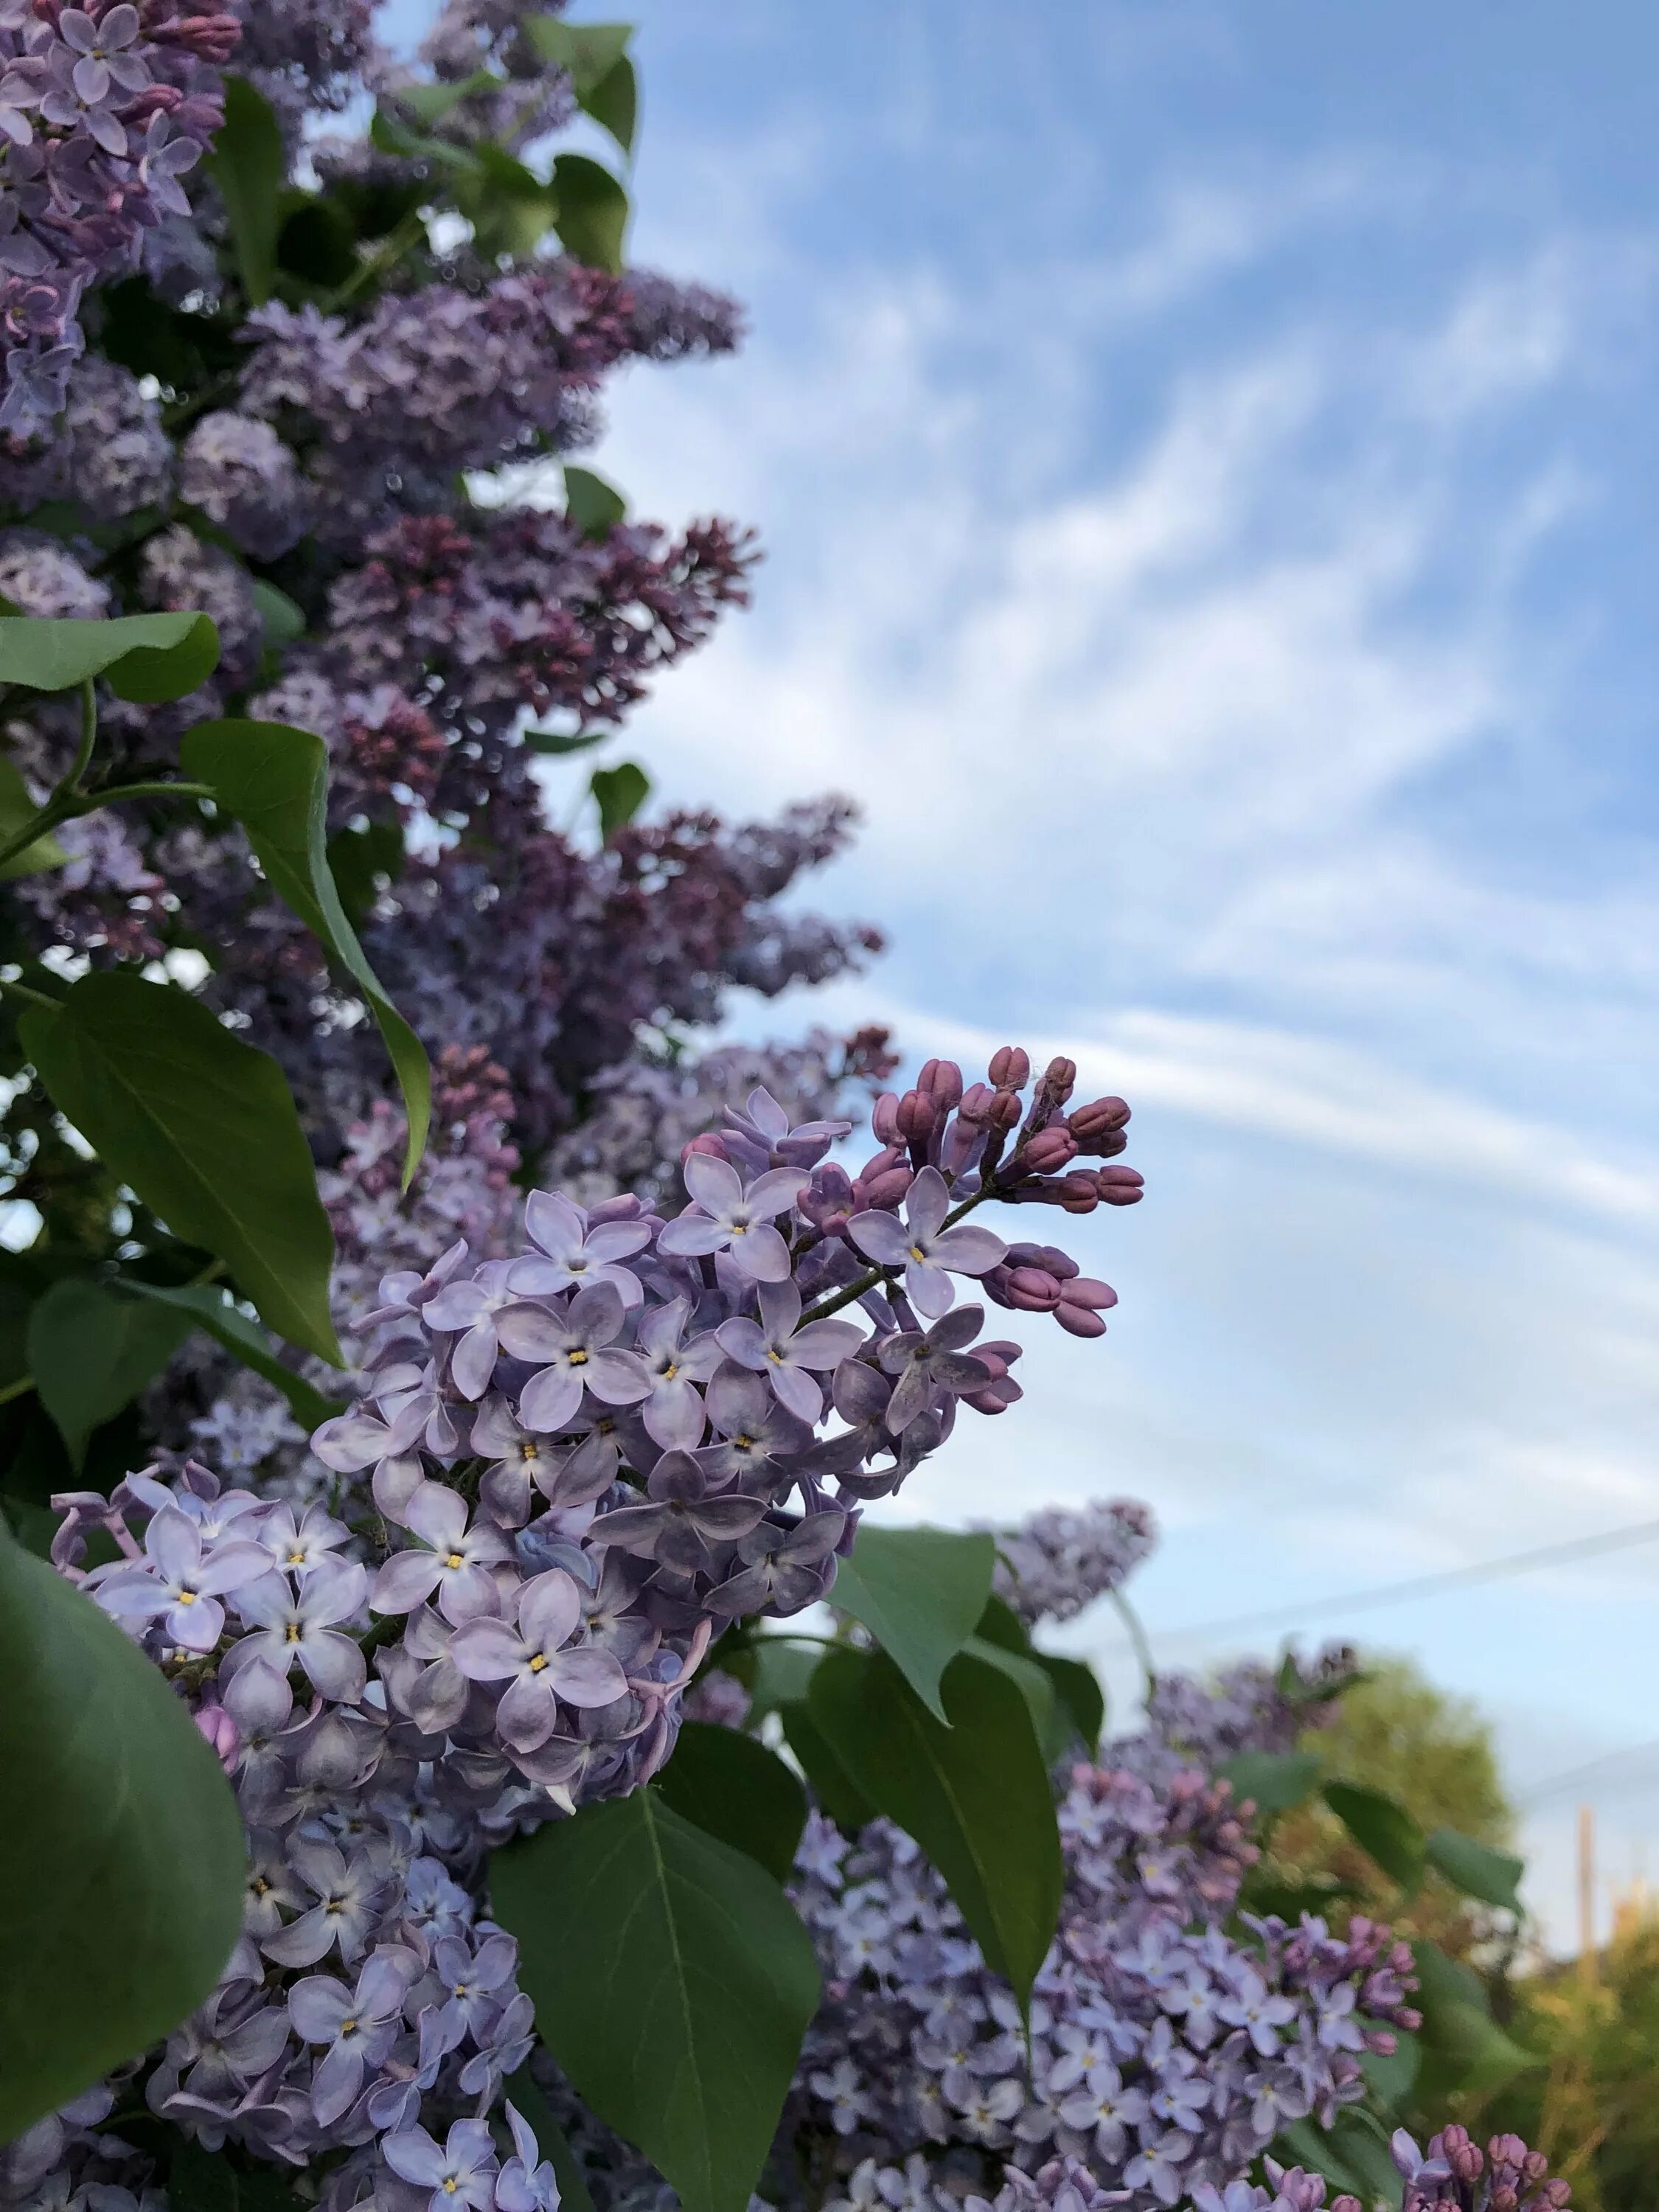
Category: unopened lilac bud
[217,1725]
[884,1117]
[1077,1193]
[1050,1257]
[941,1081]
[709,1142]
[1059,1079]
[1029,1290]
[1098,1118]
[1005,1110]
[975,1104]
[1049,1151]
[829,1202]
[1120,1186]
[1001,1391]
[1010,1068]
[887,1189]
[1079,1321]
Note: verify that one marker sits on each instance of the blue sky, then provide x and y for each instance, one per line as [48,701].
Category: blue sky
[1208,467]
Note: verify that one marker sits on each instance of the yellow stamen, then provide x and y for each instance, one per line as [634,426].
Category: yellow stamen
[456,1559]
[538,1663]
[579,1359]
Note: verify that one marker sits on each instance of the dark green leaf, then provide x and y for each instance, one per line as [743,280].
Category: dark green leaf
[249,166]
[587,52]
[974,1794]
[274,779]
[1393,2075]
[282,621]
[525,2097]
[146,658]
[613,103]
[18,811]
[832,1785]
[1000,1624]
[1476,1869]
[920,1593]
[671,1981]
[1350,2154]
[510,208]
[591,505]
[1382,1827]
[202,2180]
[358,859]
[776,1673]
[430,103]
[1274,1780]
[1263,1893]
[593,215]
[209,1307]
[33,1526]
[1082,1700]
[734,1787]
[204,1128]
[121,1847]
[621,792]
[553,742]
[91,1351]
[316,241]
[1462,2046]
[1033,1685]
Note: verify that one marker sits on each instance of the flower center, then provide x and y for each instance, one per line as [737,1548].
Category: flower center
[775,1355]
[579,1359]
[538,1663]
[670,1370]
[294,1631]
[348,2027]
[296,1559]
[739,1228]
[187,1597]
[916,1252]
[455,1559]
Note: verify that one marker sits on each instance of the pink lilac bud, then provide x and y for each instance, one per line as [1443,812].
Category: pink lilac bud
[220,1729]
[886,1189]
[1080,1305]
[884,1117]
[829,1201]
[1098,1118]
[975,1104]
[1027,1290]
[1011,1068]
[1120,1186]
[1059,1078]
[1001,1391]
[1049,1151]
[941,1081]
[709,1142]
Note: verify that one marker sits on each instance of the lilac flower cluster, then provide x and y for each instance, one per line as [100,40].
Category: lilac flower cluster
[1456,2175]
[1166,2053]
[1058,1562]
[102,110]
[1202,1722]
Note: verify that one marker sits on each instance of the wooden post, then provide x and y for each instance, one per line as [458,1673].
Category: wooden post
[1586,1893]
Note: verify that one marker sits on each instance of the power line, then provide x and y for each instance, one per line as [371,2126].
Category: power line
[1583,1547]
[1576,1775]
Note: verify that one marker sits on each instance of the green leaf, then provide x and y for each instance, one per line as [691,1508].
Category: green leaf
[1463,2048]
[671,1981]
[1263,1893]
[1351,2154]
[201,2180]
[974,1793]
[1393,2075]
[510,208]
[593,215]
[775,1673]
[282,621]
[1033,1685]
[17,810]
[146,658]
[621,792]
[552,742]
[524,2094]
[832,1785]
[613,103]
[1476,1869]
[121,1849]
[274,779]
[1382,1827]
[250,168]
[591,505]
[920,1593]
[204,1128]
[733,1787]
[1274,1780]
[1080,1697]
[358,859]
[91,1351]
[430,103]
[316,241]
[209,1307]
[587,52]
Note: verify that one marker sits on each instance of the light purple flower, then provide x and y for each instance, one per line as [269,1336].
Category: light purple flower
[182,1583]
[448,1558]
[549,1612]
[473,1981]
[526,2182]
[574,1350]
[101,47]
[673,1414]
[778,1347]
[461,2174]
[473,1306]
[1251,2008]
[928,1252]
[682,1519]
[347,1891]
[359,2025]
[304,1627]
[303,1543]
[780,1570]
[576,1254]
[385,1441]
[753,1427]
[728,1218]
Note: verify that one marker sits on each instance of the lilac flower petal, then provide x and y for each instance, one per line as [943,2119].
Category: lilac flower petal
[968,1251]
[487,1651]
[761,1255]
[550,1607]
[691,1234]
[588,1677]
[407,1579]
[881,1237]
[714,1184]
[335,1667]
[550,1400]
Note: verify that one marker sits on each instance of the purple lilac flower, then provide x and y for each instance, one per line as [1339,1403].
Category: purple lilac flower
[920,1244]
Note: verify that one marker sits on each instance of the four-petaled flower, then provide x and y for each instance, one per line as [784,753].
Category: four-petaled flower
[729,1217]
[673,1414]
[183,1581]
[782,1349]
[928,1252]
[100,47]
[448,1558]
[550,1611]
[305,1625]
[682,1519]
[575,1350]
[574,1254]
[462,2172]
[359,2025]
